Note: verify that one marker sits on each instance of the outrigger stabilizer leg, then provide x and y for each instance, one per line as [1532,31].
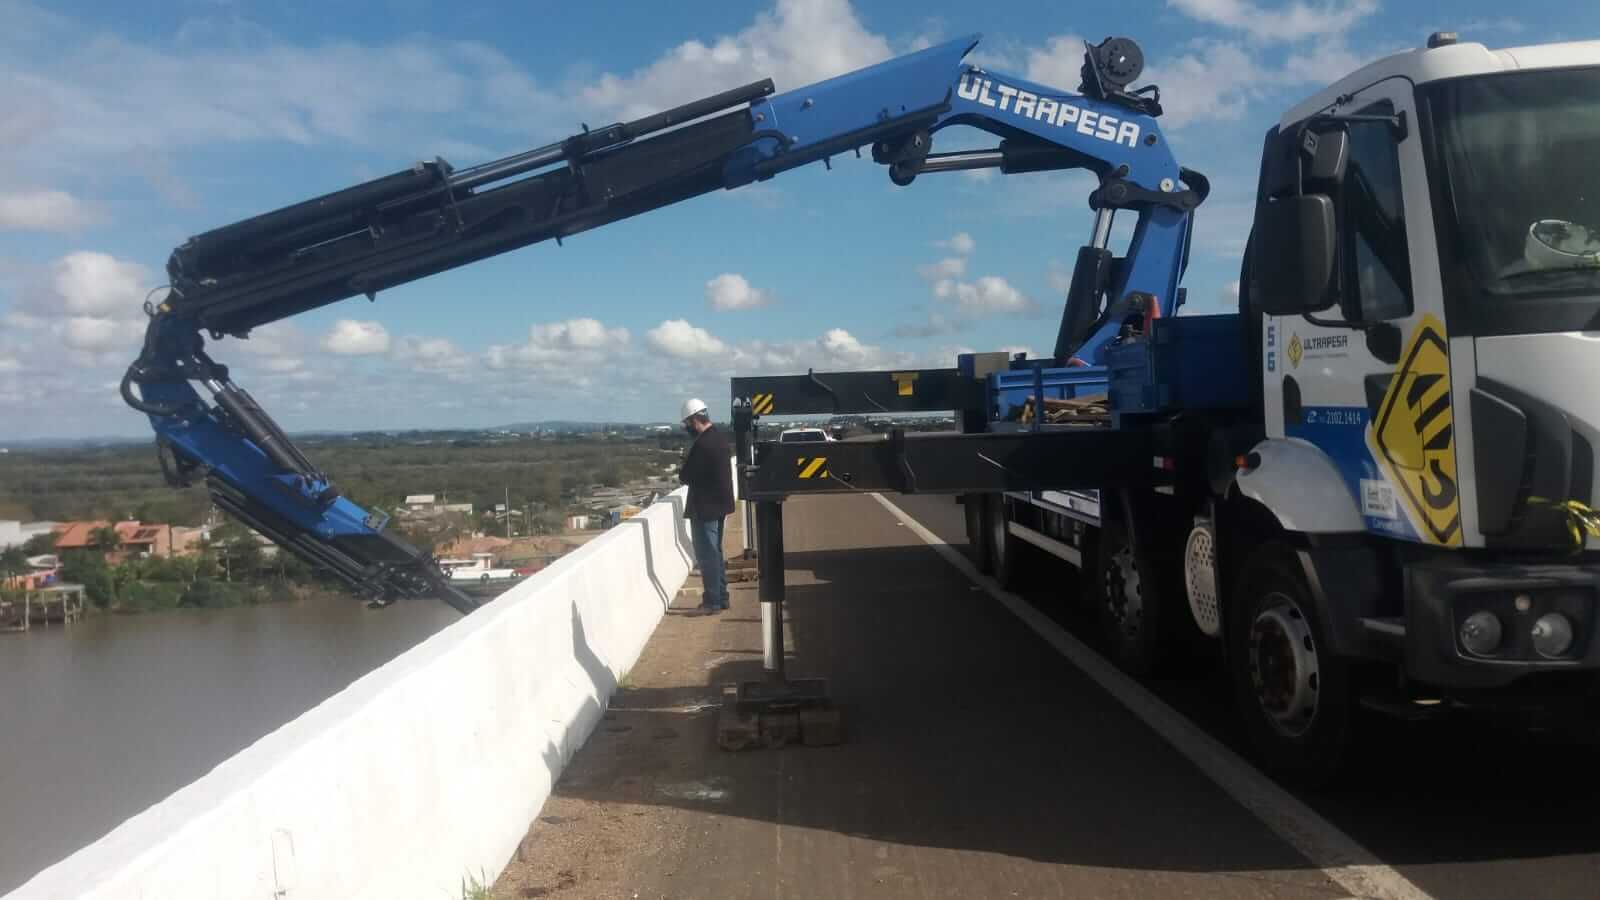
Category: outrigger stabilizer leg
[776,709]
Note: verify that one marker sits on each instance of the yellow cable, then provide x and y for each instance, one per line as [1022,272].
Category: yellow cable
[1581,519]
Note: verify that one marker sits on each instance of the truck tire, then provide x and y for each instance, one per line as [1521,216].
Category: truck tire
[1126,588]
[975,508]
[1008,555]
[1297,701]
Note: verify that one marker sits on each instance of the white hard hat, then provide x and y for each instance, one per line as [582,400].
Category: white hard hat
[1554,244]
[693,407]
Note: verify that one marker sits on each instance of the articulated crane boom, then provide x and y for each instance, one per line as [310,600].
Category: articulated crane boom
[430,218]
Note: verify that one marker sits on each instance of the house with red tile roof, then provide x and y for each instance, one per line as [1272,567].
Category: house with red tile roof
[135,540]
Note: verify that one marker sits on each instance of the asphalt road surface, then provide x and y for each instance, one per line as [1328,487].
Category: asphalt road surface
[1458,808]
[979,762]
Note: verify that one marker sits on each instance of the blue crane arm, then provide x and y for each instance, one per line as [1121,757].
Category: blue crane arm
[901,104]
[432,217]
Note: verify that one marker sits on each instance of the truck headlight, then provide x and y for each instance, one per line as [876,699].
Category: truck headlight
[1552,635]
[1481,633]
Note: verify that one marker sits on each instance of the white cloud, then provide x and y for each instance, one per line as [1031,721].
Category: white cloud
[432,354]
[676,337]
[280,338]
[554,344]
[1215,81]
[936,324]
[949,267]
[731,291]
[285,364]
[1059,278]
[88,283]
[960,244]
[1057,63]
[98,335]
[81,96]
[10,364]
[44,210]
[989,295]
[112,96]
[1294,21]
[797,43]
[834,350]
[579,333]
[88,301]
[356,338]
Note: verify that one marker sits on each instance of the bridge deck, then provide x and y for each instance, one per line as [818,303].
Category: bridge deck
[978,762]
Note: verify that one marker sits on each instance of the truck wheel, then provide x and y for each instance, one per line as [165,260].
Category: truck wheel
[1296,699]
[975,507]
[1007,553]
[1126,591]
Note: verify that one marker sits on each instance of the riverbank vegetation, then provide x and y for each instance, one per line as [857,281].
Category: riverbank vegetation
[539,474]
[232,569]
[375,470]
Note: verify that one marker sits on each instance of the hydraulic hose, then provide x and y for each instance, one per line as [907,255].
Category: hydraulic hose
[139,403]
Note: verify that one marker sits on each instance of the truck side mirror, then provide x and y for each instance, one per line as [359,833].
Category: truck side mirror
[1292,255]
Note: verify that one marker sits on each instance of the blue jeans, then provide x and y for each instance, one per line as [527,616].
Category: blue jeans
[707,535]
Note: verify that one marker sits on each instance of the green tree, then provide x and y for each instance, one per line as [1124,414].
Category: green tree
[89,569]
[13,562]
[238,554]
[293,568]
[40,544]
[105,539]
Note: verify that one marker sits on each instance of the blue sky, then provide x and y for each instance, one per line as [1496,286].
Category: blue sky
[133,126]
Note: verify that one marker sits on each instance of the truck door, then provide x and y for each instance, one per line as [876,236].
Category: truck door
[1368,380]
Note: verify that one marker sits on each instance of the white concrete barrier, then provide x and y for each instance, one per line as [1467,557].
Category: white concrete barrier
[420,774]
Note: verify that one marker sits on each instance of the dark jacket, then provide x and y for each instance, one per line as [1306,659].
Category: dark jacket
[708,471]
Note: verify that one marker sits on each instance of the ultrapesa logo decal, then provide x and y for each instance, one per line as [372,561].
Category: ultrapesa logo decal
[1048,110]
[1413,436]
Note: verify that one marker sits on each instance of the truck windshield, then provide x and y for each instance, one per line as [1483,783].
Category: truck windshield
[1519,154]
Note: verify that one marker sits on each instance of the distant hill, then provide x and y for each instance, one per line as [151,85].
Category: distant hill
[560,426]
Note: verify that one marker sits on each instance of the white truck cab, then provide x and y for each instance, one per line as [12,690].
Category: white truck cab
[1426,267]
[1462,318]
[1407,525]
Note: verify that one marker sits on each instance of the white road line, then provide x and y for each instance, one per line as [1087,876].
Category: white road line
[1347,863]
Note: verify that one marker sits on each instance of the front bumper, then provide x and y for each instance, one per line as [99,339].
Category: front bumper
[1440,594]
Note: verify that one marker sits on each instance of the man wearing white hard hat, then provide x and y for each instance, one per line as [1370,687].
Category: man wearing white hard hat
[707,470]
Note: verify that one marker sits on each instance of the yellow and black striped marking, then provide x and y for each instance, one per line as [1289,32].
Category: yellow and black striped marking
[813,467]
[761,404]
[1415,435]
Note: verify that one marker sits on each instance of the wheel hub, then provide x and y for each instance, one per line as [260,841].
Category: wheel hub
[1283,666]
[1123,595]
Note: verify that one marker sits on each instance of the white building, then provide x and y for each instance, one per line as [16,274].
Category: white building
[15,534]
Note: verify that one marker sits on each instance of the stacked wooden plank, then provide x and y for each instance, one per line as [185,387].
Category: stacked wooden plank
[1089,410]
